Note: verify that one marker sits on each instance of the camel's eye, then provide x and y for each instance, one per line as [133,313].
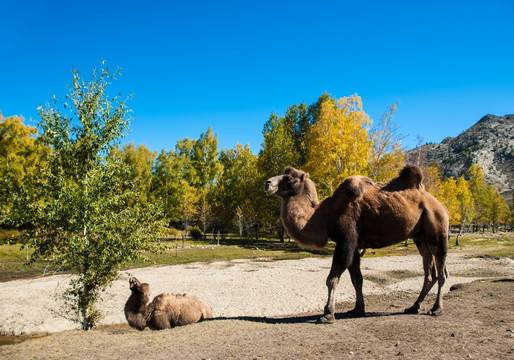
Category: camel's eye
[288,182]
[287,179]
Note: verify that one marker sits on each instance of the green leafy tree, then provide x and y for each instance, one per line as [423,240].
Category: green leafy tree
[185,179]
[238,181]
[187,183]
[164,180]
[184,159]
[205,159]
[297,122]
[315,108]
[279,150]
[140,161]
[90,219]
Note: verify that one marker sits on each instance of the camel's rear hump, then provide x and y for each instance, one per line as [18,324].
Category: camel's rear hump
[410,177]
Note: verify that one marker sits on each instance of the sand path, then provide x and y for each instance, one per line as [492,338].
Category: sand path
[234,288]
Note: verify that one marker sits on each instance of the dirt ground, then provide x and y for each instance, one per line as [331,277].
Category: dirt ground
[478,322]
[235,288]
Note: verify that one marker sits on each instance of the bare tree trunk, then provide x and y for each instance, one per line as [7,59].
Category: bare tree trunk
[458,235]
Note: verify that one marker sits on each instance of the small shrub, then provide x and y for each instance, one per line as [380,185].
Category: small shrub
[173,232]
[7,236]
[196,233]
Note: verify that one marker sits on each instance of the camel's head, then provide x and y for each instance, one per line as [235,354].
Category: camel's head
[291,183]
[139,288]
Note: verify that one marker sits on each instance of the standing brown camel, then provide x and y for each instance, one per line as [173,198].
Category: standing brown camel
[165,311]
[360,215]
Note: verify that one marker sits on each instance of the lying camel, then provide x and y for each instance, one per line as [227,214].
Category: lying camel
[165,311]
[360,215]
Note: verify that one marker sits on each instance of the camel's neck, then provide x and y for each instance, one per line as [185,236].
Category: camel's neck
[135,311]
[304,222]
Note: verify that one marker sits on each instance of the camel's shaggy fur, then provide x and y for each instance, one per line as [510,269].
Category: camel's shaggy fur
[165,311]
[361,214]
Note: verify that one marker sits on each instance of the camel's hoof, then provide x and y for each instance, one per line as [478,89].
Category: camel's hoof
[412,310]
[356,313]
[326,319]
[437,312]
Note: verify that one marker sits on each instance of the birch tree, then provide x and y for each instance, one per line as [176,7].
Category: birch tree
[87,216]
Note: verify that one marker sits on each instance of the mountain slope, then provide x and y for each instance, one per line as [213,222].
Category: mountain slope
[489,143]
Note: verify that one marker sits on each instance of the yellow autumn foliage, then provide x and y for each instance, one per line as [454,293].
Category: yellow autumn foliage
[339,144]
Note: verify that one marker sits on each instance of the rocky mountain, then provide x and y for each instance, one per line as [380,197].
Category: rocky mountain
[489,143]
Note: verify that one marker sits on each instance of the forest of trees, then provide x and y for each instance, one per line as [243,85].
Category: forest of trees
[200,186]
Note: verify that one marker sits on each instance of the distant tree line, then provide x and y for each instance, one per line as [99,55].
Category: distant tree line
[471,203]
[200,187]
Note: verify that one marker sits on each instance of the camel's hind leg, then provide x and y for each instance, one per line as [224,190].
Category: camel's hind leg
[436,228]
[430,276]
[341,260]
[433,247]
[440,263]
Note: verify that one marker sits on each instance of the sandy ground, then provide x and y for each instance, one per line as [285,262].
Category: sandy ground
[235,288]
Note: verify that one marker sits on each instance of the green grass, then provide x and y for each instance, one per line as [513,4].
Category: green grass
[13,263]
[500,244]
[487,244]
[202,251]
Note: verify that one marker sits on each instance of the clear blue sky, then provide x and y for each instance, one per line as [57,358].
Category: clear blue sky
[230,64]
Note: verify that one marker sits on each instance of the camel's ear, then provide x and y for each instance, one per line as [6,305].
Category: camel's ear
[288,170]
[305,176]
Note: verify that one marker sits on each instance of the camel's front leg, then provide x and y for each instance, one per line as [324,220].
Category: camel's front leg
[340,262]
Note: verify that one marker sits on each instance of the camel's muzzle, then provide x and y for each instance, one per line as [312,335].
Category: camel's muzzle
[270,187]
